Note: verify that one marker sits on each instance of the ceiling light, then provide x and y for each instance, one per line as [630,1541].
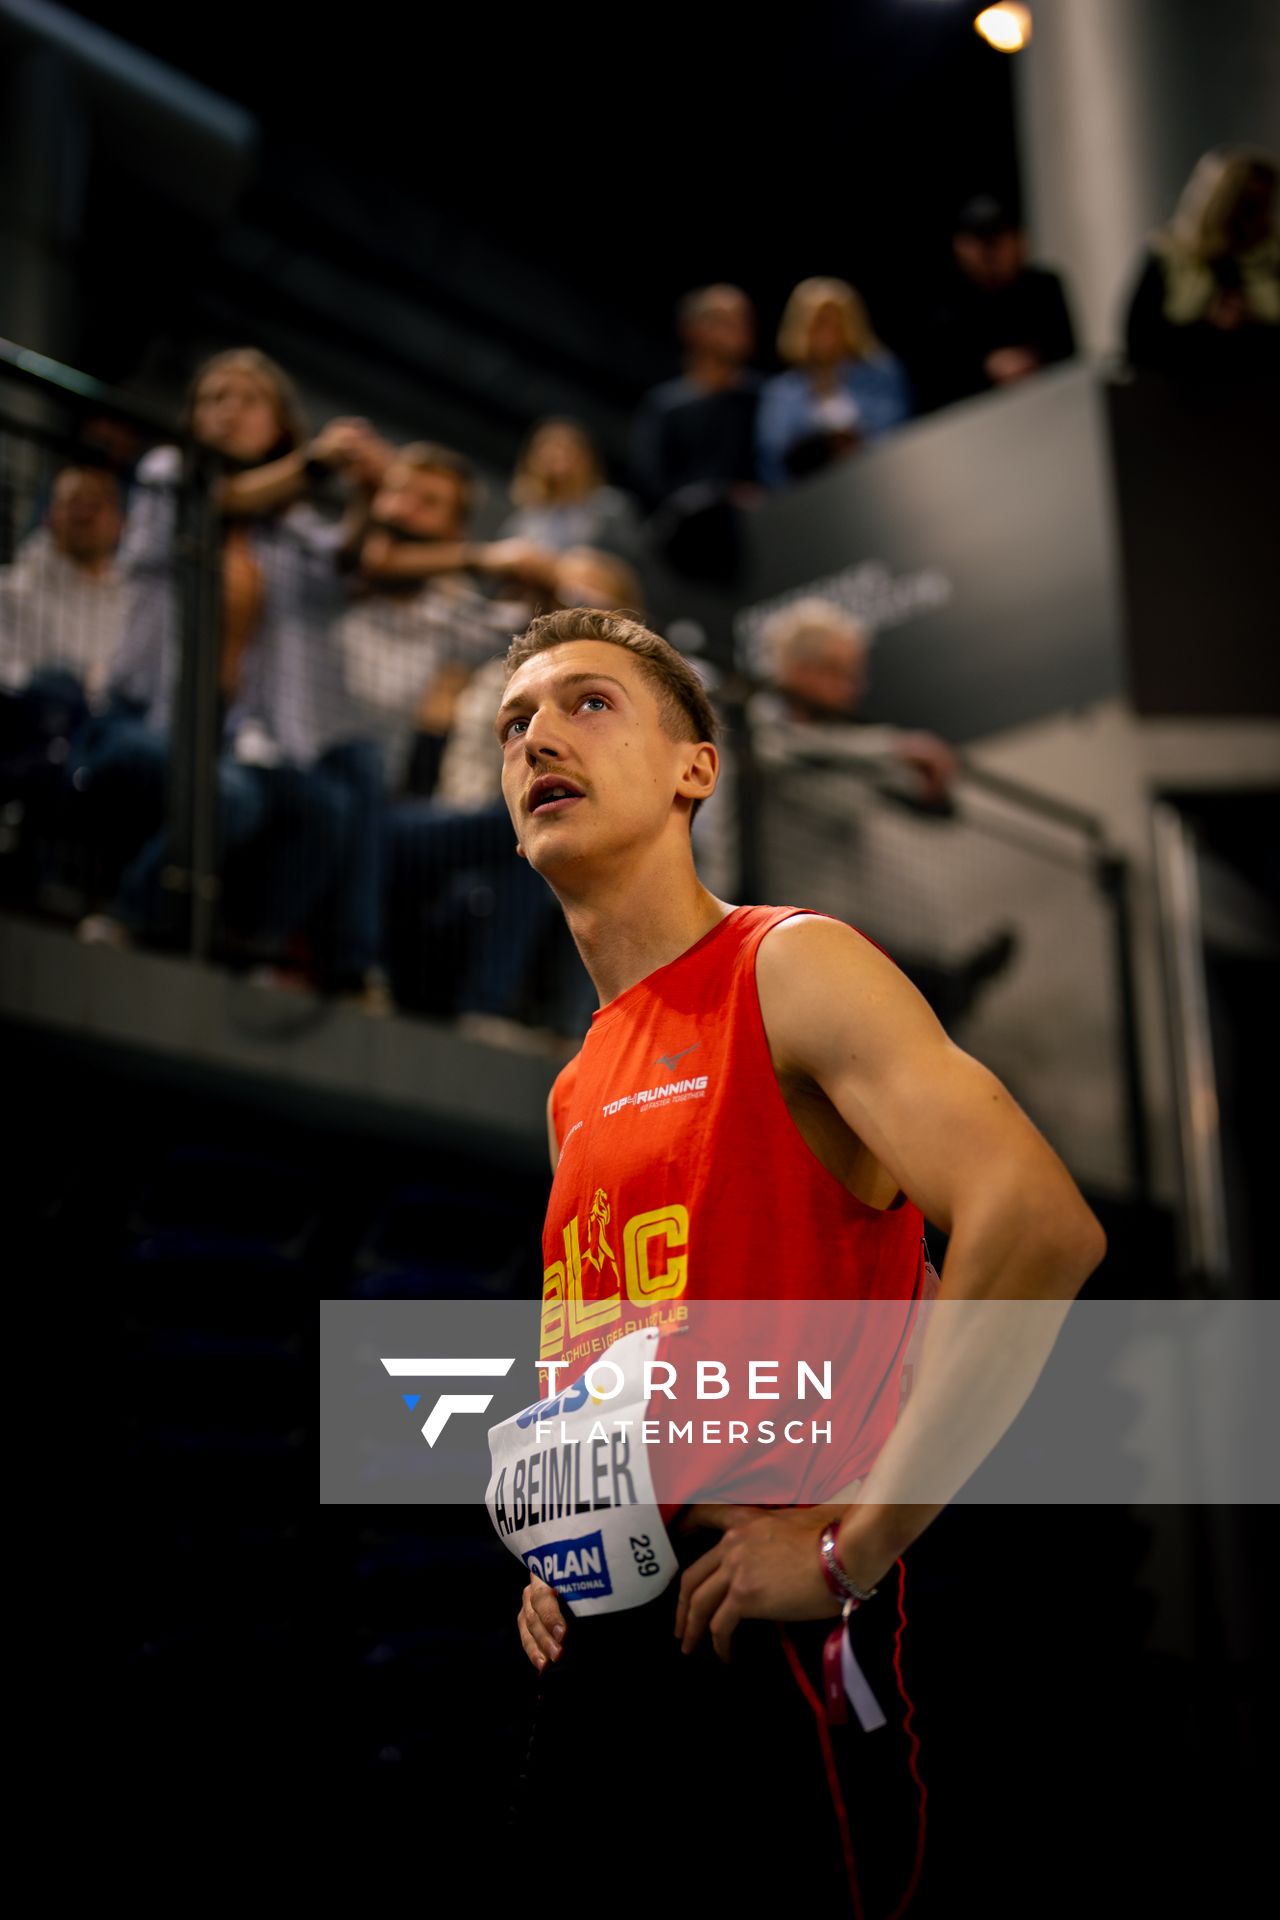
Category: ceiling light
[1007,28]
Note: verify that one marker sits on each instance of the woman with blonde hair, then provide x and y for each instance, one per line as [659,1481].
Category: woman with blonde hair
[843,386]
[560,495]
[1207,301]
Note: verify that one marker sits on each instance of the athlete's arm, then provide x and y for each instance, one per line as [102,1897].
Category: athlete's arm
[540,1621]
[552,1142]
[839,1014]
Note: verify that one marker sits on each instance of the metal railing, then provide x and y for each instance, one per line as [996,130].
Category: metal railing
[1008,907]
[302,805]
[55,418]
[1206,1247]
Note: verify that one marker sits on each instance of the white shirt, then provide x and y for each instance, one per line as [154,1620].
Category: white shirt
[54,614]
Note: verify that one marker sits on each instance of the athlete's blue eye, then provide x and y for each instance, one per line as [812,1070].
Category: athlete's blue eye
[510,729]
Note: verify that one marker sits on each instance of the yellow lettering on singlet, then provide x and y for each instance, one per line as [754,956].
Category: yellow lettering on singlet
[552,1341]
[583,1314]
[670,1223]
[566,1315]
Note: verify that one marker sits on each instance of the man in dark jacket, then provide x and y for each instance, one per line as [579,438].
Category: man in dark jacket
[1000,321]
[693,440]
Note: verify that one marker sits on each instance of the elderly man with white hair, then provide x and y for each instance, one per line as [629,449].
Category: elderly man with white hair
[805,739]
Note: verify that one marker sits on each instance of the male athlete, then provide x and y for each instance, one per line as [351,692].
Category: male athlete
[822,1114]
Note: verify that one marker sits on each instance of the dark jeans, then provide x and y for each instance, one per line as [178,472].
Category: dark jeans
[467,916]
[301,846]
[50,708]
[41,725]
[349,779]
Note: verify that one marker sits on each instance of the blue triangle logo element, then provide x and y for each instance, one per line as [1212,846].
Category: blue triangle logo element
[411,1400]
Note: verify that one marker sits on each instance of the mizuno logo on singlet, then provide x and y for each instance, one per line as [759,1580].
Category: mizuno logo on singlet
[672,1060]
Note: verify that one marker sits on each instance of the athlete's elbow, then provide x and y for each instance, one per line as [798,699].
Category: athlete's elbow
[1094,1250]
[1060,1238]
[1042,1241]
[1073,1245]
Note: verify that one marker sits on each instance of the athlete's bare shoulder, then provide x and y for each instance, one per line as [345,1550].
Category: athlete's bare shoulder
[823,985]
[839,1012]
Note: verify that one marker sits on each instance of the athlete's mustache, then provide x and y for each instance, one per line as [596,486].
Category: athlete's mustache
[548,783]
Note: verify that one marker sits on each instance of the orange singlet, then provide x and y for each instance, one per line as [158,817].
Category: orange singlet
[683,1178]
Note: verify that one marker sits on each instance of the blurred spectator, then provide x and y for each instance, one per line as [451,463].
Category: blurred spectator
[693,440]
[1000,320]
[701,427]
[112,443]
[62,600]
[843,387]
[1207,301]
[468,918]
[61,606]
[802,730]
[411,641]
[561,499]
[245,409]
[290,710]
[285,775]
[818,658]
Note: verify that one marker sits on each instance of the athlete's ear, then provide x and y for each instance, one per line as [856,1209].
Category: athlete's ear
[698,780]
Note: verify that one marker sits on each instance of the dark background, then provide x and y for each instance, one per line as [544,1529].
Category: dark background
[352,1678]
[456,222]
[560,177]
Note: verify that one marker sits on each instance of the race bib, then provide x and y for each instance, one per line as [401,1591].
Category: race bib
[570,1491]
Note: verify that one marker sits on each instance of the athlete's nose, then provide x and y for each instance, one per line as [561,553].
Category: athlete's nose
[540,740]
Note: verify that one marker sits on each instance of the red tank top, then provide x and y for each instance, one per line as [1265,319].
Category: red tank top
[682,1176]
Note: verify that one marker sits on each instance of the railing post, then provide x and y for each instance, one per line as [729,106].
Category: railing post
[1206,1248]
[1113,877]
[193,766]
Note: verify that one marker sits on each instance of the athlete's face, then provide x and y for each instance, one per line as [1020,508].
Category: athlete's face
[583,715]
